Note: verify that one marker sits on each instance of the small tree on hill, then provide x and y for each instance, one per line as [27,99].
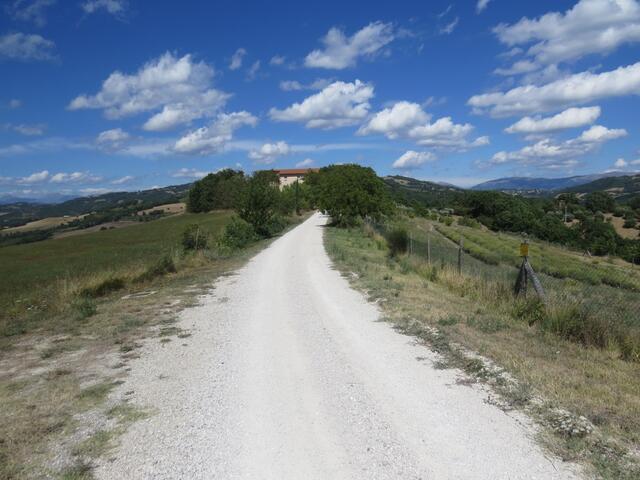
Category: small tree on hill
[350,192]
[259,201]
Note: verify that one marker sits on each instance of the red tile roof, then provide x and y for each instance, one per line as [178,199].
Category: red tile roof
[294,171]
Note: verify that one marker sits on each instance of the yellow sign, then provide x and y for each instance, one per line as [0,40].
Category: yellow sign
[524,249]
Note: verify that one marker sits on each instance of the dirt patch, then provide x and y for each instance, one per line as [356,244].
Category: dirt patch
[618,224]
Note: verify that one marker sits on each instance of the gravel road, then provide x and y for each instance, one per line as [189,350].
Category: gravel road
[290,375]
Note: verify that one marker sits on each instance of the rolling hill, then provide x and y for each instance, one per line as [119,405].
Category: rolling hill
[538,186]
[413,191]
[619,187]
[15,214]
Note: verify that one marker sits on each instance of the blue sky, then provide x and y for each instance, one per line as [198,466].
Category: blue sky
[101,95]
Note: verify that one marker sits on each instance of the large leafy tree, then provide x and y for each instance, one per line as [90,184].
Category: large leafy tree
[349,192]
[221,190]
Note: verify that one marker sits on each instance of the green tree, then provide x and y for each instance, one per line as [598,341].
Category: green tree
[349,192]
[599,237]
[260,201]
[599,202]
[220,190]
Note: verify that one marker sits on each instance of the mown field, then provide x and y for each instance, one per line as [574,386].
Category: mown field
[39,279]
[478,311]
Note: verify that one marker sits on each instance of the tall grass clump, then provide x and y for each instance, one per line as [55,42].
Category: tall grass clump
[165,265]
[103,288]
[398,241]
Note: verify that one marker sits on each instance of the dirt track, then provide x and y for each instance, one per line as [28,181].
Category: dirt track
[289,375]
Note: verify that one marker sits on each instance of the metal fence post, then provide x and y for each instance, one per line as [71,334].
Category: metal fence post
[460,255]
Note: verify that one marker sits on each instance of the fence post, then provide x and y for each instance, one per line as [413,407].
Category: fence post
[410,244]
[429,247]
[460,255]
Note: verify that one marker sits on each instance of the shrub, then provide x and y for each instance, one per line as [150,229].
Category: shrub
[84,308]
[468,222]
[103,288]
[276,224]
[194,238]
[630,222]
[161,267]
[260,200]
[577,324]
[531,310]
[398,241]
[238,234]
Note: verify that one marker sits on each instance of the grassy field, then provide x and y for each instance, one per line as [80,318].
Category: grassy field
[446,310]
[591,300]
[40,279]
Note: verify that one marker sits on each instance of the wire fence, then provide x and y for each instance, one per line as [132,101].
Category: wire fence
[579,285]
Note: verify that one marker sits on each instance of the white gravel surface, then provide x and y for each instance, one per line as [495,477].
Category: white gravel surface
[289,374]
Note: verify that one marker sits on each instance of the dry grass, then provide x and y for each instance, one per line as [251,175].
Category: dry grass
[618,224]
[42,224]
[169,208]
[587,381]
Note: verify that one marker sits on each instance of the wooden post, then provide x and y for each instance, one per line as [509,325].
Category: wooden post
[429,248]
[460,255]
[410,244]
[197,235]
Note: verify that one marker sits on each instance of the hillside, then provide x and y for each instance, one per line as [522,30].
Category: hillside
[619,187]
[538,186]
[15,214]
[421,192]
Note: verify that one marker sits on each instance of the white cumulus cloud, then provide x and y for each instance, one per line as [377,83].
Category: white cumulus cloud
[123,180]
[37,177]
[75,177]
[341,52]
[569,118]
[575,89]
[115,136]
[189,173]
[268,152]
[394,121]
[339,104]
[548,153]
[589,27]
[412,159]
[307,162]
[177,89]
[214,138]
[408,120]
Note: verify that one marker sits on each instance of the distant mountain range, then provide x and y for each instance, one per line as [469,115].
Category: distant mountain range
[533,185]
[50,198]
